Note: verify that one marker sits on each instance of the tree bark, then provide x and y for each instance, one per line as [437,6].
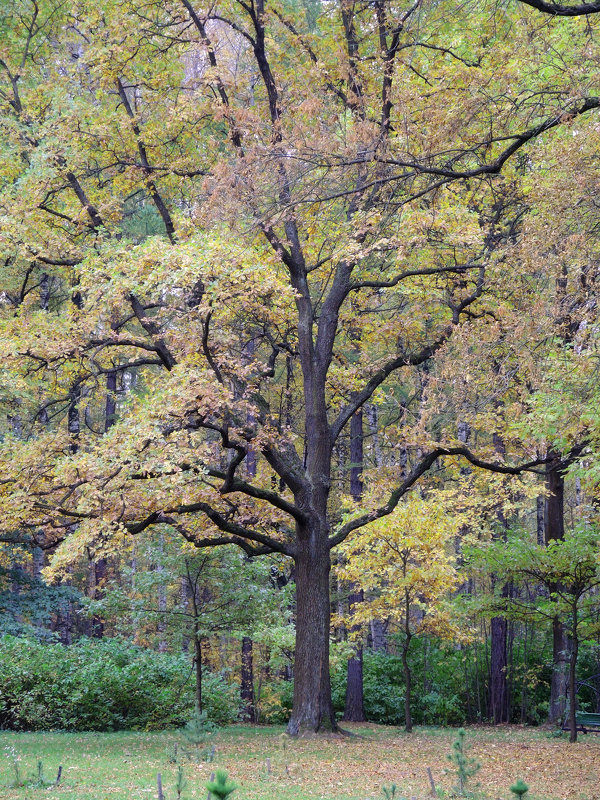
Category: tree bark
[560,663]
[313,709]
[354,708]
[554,527]
[378,636]
[498,668]
[573,677]
[407,682]
[247,683]
[198,667]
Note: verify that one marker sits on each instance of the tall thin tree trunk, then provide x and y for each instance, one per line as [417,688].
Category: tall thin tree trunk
[247,682]
[161,625]
[554,527]
[573,676]
[198,667]
[405,662]
[101,564]
[247,672]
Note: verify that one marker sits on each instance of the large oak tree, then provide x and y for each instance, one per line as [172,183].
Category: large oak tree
[256,220]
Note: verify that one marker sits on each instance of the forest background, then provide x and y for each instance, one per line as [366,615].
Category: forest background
[299,340]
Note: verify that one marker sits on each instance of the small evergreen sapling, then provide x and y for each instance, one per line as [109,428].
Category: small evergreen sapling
[197,730]
[221,788]
[520,788]
[465,766]
[180,782]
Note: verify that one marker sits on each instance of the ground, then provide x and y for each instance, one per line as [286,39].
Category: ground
[267,765]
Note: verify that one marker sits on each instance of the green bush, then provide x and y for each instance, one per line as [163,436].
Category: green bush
[383,686]
[101,685]
[438,689]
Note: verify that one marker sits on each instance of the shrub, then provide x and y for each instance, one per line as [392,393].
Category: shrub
[101,685]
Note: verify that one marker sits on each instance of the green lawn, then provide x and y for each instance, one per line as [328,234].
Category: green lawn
[123,766]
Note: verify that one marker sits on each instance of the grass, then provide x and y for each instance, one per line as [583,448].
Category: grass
[123,766]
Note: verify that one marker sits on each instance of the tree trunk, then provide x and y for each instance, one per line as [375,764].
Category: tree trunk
[554,527]
[541,526]
[572,679]
[161,599]
[313,709]
[99,576]
[354,709]
[198,668]
[247,683]
[408,685]
[101,564]
[498,668]
[558,683]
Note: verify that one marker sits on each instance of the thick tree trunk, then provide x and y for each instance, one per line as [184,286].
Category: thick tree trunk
[354,710]
[247,682]
[313,709]
[378,635]
[498,669]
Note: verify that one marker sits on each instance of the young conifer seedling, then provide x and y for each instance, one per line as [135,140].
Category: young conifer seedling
[520,788]
[465,766]
[180,782]
[221,788]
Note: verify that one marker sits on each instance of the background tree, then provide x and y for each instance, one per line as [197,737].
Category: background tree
[404,566]
[567,569]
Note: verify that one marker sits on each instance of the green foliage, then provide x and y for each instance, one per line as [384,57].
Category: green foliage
[27,604]
[520,788]
[383,688]
[433,665]
[389,792]
[180,783]
[36,780]
[197,729]
[221,788]
[465,767]
[101,685]
[196,732]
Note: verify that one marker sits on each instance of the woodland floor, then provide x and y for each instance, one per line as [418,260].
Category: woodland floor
[123,766]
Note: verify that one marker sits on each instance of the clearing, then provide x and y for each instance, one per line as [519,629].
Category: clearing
[266,764]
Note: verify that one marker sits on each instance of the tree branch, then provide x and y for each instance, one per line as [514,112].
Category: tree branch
[420,469]
[562,11]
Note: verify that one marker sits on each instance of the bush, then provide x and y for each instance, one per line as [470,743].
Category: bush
[101,685]
[383,680]
[383,686]
[275,702]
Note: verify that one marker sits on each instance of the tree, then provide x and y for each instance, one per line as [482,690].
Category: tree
[404,564]
[206,593]
[300,175]
[568,571]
